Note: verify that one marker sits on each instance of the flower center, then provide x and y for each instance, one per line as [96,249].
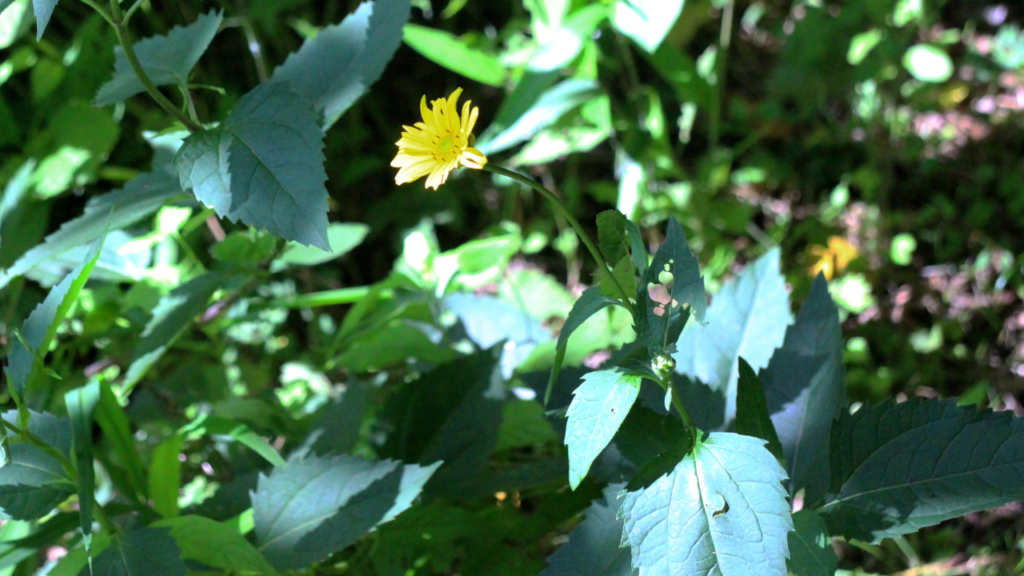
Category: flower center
[446,143]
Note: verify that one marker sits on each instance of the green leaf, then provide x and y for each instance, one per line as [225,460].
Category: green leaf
[43,10]
[612,238]
[313,507]
[32,483]
[142,196]
[150,551]
[671,289]
[208,424]
[41,326]
[337,66]
[590,302]
[81,405]
[647,22]
[593,547]
[54,431]
[171,317]
[264,165]
[342,238]
[111,417]
[449,51]
[805,390]
[552,105]
[339,429]
[810,547]
[523,424]
[165,476]
[599,406]
[897,468]
[645,434]
[723,510]
[451,413]
[215,544]
[752,417]
[747,318]
[166,59]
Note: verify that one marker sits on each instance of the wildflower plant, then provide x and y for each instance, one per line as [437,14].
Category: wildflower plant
[147,433]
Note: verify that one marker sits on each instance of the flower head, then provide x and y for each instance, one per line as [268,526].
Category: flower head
[439,144]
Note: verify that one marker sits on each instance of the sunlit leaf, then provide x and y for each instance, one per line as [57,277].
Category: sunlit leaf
[453,53]
[599,405]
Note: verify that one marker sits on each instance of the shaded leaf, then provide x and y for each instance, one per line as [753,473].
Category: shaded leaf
[117,430]
[810,546]
[722,511]
[81,405]
[342,420]
[590,302]
[215,544]
[165,476]
[166,59]
[805,391]
[336,67]
[593,547]
[897,468]
[32,483]
[752,417]
[264,165]
[150,551]
[748,318]
[599,405]
[241,433]
[619,237]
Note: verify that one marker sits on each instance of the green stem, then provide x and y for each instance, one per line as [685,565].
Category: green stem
[677,403]
[119,21]
[721,59]
[100,10]
[561,209]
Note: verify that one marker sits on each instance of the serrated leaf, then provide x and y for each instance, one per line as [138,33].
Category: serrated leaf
[142,196]
[216,545]
[810,547]
[40,328]
[32,483]
[670,290]
[264,165]
[900,467]
[43,10]
[81,405]
[722,511]
[593,547]
[337,66]
[752,417]
[313,507]
[805,390]
[747,318]
[451,413]
[171,317]
[599,405]
[590,302]
[166,59]
[150,551]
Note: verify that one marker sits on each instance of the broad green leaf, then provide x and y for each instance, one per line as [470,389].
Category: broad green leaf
[451,413]
[32,483]
[449,51]
[523,425]
[40,327]
[43,10]
[599,406]
[77,140]
[342,420]
[810,546]
[215,544]
[671,289]
[897,468]
[142,196]
[342,238]
[489,321]
[590,302]
[313,507]
[747,318]
[264,165]
[722,511]
[165,476]
[170,318]
[647,22]
[166,59]
[928,63]
[337,66]
[81,405]
[752,417]
[645,434]
[593,547]
[54,431]
[112,420]
[208,424]
[552,105]
[149,551]
[805,390]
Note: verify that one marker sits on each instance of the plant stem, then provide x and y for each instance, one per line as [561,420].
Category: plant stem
[721,60]
[561,209]
[119,22]
[677,403]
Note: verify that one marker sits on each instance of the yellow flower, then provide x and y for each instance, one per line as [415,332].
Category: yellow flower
[439,144]
[834,259]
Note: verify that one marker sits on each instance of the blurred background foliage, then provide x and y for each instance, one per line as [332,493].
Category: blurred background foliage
[879,142]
